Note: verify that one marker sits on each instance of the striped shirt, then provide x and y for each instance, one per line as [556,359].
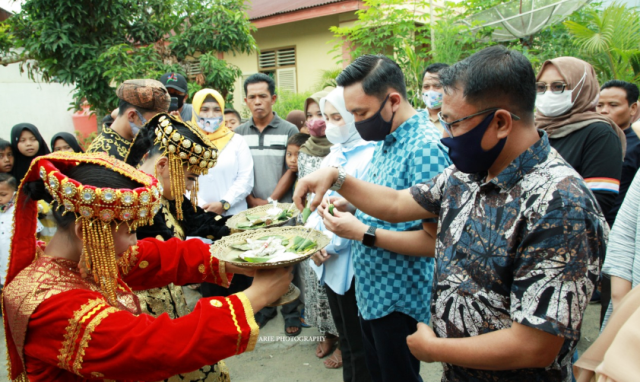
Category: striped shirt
[268,149]
[623,251]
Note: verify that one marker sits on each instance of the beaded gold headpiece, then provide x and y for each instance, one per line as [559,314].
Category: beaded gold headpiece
[198,155]
[98,207]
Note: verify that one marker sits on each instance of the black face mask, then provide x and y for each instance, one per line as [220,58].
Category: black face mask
[180,101]
[375,128]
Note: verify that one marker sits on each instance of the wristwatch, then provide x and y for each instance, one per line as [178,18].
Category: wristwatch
[269,200]
[369,238]
[225,205]
[342,176]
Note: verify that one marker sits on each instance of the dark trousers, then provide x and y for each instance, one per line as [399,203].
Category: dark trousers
[344,310]
[605,296]
[238,284]
[385,345]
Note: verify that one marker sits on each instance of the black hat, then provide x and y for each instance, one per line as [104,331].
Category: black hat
[175,81]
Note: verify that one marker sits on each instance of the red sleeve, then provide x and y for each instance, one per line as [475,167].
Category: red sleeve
[158,263]
[79,332]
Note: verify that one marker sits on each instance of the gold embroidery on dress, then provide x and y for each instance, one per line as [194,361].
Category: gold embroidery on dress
[86,337]
[110,142]
[168,299]
[250,317]
[171,222]
[224,281]
[44,278]
[72,331]
[235,321]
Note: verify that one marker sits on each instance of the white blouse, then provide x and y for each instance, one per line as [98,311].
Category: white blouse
[231,179]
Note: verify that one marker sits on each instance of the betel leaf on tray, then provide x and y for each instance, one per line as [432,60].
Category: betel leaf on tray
[241,247]
[301,244]
[284,240]
[259,259]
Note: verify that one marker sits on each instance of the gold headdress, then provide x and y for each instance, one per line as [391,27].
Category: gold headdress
[97,207]
[199,154]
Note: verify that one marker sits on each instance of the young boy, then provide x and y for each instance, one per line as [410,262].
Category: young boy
[8,188]
[6,156]
[291,176]
[232,118]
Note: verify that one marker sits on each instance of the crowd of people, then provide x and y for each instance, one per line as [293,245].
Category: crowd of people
[496,214]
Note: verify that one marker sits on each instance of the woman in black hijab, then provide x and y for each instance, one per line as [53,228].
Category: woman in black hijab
[26,143]
[65,142]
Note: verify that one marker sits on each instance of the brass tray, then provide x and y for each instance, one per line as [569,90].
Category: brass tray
[222,250]
[241,217]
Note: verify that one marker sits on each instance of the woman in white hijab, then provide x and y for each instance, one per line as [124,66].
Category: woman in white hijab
[333,266]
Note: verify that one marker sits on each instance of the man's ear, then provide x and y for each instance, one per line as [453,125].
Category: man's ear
[274,98]
[634,109]
[504,121]
[395,99]
[131,114]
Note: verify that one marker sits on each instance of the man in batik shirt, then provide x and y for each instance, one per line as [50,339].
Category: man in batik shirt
[518,234]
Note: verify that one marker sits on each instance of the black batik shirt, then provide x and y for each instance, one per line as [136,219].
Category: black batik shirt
[522,248]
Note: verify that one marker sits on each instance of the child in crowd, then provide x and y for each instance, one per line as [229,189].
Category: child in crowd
[293,147]
[298,118]
[291,176]
[232,118]
[65,142]
[26,144]
[8,187]
[6,156]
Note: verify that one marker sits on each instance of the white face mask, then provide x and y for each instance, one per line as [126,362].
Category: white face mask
[432,99]
[210,125]
[339,134]
[554,105]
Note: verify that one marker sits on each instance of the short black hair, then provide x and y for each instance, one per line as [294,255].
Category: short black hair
[260,77]
[434,68]
[233,111]
[298,139]
[376,73]
[5,177]
[4,144]
[631,89]
[124,105]
[492,75]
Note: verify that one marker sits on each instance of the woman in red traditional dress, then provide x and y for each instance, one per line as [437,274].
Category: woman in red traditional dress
[69,310]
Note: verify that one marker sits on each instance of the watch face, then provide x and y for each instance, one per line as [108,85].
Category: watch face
[226,206]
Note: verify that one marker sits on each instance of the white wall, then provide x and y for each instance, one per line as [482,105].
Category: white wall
[42,104]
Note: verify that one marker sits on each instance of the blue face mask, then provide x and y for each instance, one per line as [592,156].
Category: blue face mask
[466,150]
[135,129]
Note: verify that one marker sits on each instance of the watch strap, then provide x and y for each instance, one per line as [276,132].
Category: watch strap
[342,176]
[369,238]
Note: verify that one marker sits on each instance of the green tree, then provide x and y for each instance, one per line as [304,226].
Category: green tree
[400,30]
[95,45]
[396,28]
[611,39]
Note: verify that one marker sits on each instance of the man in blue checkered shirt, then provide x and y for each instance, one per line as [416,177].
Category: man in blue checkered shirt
[393,274]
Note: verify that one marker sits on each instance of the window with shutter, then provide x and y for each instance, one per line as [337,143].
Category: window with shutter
[280,63]
[286,79]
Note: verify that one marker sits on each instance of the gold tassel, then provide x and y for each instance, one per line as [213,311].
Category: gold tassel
[178,187]
[99,248]
[194,196]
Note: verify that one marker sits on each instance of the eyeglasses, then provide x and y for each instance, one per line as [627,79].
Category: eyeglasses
[556,87]
[448,125]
